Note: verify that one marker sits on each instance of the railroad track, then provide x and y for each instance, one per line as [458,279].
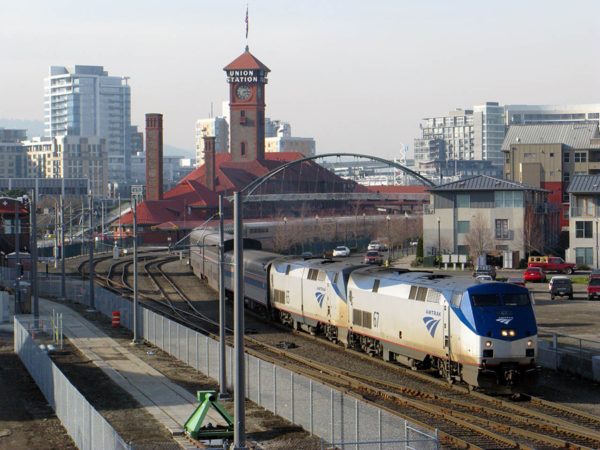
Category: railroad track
[464,419]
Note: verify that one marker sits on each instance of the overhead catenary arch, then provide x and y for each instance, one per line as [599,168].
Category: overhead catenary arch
[254,185]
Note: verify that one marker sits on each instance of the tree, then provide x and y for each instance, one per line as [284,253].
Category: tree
[533,231]
[479,238]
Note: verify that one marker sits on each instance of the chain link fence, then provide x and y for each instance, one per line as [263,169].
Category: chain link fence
[88,429]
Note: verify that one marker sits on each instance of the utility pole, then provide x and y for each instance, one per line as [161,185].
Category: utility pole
[34,258]
[17,258]
[55,234]
[63,282]
[135,271]
[239,429]
[91,265]
[120,235]
[102,226]
[222,320]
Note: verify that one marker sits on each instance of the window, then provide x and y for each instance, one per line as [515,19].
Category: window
[584,256]
[508,199]
[243,148]
[502,229]
[312,274]
[583,229]
[462,249]
[551,155]
[580,157]
[566,156]
[463,201]
[566,177]
[463,226]
[375,286]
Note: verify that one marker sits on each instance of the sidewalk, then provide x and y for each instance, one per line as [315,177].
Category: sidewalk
[170,404]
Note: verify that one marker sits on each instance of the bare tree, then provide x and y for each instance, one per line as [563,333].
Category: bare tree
[533,231]
[479,238]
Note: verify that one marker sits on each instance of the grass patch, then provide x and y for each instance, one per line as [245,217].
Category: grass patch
[580,279]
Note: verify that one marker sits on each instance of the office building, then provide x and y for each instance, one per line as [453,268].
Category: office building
[554,114]
[306,146]
[584,197]
[85,101]
[69,157]
[13,158]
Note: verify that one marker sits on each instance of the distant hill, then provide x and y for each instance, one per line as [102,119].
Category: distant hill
[33,127]
[170,150]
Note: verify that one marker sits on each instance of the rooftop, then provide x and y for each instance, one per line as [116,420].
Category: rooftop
[585,184]
[574,135]
[484,183]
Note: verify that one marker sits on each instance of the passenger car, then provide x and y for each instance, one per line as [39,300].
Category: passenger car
[341,251]
[534,274]
[560,286]
[483,278]
[375,245]
[552,264]
[373,257]
[516,280]
[485,270]
[593,288]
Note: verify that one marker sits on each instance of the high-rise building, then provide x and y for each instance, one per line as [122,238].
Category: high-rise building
[85,101]
[215,126]
[488,132]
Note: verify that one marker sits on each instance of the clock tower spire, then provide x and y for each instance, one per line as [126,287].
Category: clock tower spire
[247,77]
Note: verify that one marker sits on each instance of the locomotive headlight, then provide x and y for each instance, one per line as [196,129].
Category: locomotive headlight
[504,333]
[511,333]
[529,343]
[488,343]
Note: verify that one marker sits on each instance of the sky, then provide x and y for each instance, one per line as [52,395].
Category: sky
[357,76]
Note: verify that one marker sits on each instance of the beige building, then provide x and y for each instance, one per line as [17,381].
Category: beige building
[217,127]
[550,155]
[306,146]
[70,157]
[508,218]
[584,193]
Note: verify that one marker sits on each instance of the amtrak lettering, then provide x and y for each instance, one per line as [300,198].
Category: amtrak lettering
[432,312]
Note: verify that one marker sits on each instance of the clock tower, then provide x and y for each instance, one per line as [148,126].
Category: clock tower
[247,78]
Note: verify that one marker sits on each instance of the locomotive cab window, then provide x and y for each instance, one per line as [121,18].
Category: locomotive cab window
[485,299]
[312,274]
[375,285]
[517,299]
[287,270]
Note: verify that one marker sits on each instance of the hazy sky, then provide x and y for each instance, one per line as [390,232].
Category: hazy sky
[356,75]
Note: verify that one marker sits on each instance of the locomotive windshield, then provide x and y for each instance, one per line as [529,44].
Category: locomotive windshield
[498,300]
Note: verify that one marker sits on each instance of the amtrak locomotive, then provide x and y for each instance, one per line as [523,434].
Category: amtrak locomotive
[483,334]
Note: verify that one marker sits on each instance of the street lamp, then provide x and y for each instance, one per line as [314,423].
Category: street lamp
[439,243]
[317,233]
[91,260]
[18,202]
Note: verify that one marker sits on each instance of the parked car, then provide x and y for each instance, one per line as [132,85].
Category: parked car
[516,280]
[341,251]
[535,275]
[593,288]
[595,273]
[375,245]
[485,270]
[551,264]
[373,257]
[560,286]
[483,278]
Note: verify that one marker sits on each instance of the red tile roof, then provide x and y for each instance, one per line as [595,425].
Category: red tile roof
[246,61]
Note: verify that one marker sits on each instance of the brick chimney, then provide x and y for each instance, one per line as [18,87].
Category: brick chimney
[154,156]
[209,162]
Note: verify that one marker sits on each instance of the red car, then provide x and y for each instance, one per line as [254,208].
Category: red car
[535,274]
[373,257]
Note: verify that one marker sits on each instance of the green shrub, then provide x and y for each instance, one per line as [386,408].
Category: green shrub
[583,267]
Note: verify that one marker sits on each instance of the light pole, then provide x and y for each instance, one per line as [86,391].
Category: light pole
[120,235]
[222,319]
[387,219]
[91,260]
[285,232]
[317,231]
[18,201]
[439,243]
[63,282]
[34,258]
[135,271]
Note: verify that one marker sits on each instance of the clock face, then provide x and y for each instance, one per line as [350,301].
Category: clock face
[243,92]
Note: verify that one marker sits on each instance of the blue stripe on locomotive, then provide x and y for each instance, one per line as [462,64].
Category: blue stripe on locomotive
[489,321]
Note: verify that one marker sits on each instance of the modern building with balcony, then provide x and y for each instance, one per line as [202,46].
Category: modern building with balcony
[85,101]
[549,155]
[584,218]
[509,219]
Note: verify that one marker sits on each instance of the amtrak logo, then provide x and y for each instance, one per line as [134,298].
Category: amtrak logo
[320,296]
[431,324]
[504,320]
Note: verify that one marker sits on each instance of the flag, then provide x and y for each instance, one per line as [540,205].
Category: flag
[246,21]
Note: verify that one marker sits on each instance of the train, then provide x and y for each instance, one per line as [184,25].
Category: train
[481,333]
